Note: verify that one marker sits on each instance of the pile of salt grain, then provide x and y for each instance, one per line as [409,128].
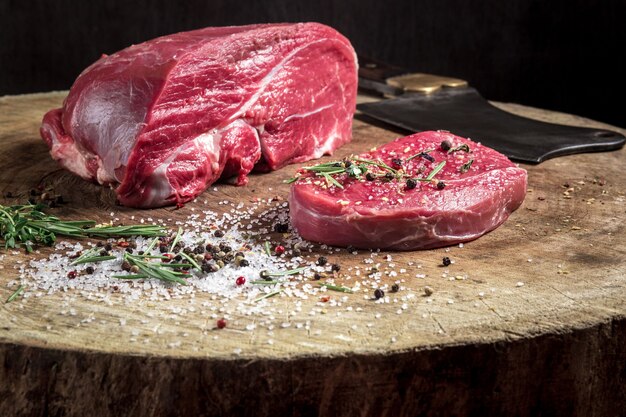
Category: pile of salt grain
[51,275]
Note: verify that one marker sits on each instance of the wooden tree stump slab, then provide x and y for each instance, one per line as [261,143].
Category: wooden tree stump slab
[529,320]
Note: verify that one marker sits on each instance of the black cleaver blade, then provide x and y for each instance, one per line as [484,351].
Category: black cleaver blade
[418,102]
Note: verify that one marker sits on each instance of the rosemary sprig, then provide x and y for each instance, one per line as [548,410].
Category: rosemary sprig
[92,255]
[353,167]
[264,282]
[268,295]
[94,259]
[16,294]
[151,270]
[147,230]
[266,246]
[335,287]
[27,225]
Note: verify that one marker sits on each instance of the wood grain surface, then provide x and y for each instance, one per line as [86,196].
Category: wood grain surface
[529,320]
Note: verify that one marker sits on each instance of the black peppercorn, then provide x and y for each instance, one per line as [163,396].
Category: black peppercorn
[265,274]
[317,276]
[389,176]
[378,293]
[225,248]
[446,145]
[218,233]
[322,260]
[162,249]
[178,258]
[129,249]
[395,288]
[208,267]
[335,267]
[370,177]
[446,261]
[441,185]
[244,262]
[198,250]
[104,253]
[108,246]
[396,162]
[281,227]
[126,266]
[90,270]
[411,183]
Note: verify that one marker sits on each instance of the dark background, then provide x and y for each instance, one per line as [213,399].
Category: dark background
[561,55]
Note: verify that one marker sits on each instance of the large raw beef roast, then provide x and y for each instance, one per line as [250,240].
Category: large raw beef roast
[422,191]
[162,120]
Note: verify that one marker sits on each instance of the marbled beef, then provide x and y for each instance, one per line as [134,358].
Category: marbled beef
[162,120]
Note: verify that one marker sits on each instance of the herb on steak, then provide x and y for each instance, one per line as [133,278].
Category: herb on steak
[435,171]
[462,147]
[466,166]
[27,225]
[423,154]
[358,168]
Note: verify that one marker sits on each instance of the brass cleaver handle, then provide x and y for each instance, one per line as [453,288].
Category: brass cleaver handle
[423,83]
[401,81]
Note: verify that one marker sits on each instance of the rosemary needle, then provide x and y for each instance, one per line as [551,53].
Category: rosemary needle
[335,287]
[268,295]
[16,294]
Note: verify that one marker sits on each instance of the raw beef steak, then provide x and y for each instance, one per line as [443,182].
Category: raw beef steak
[164,119]
[422,191]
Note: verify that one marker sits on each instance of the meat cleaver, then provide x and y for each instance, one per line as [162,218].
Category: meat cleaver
[418,102]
